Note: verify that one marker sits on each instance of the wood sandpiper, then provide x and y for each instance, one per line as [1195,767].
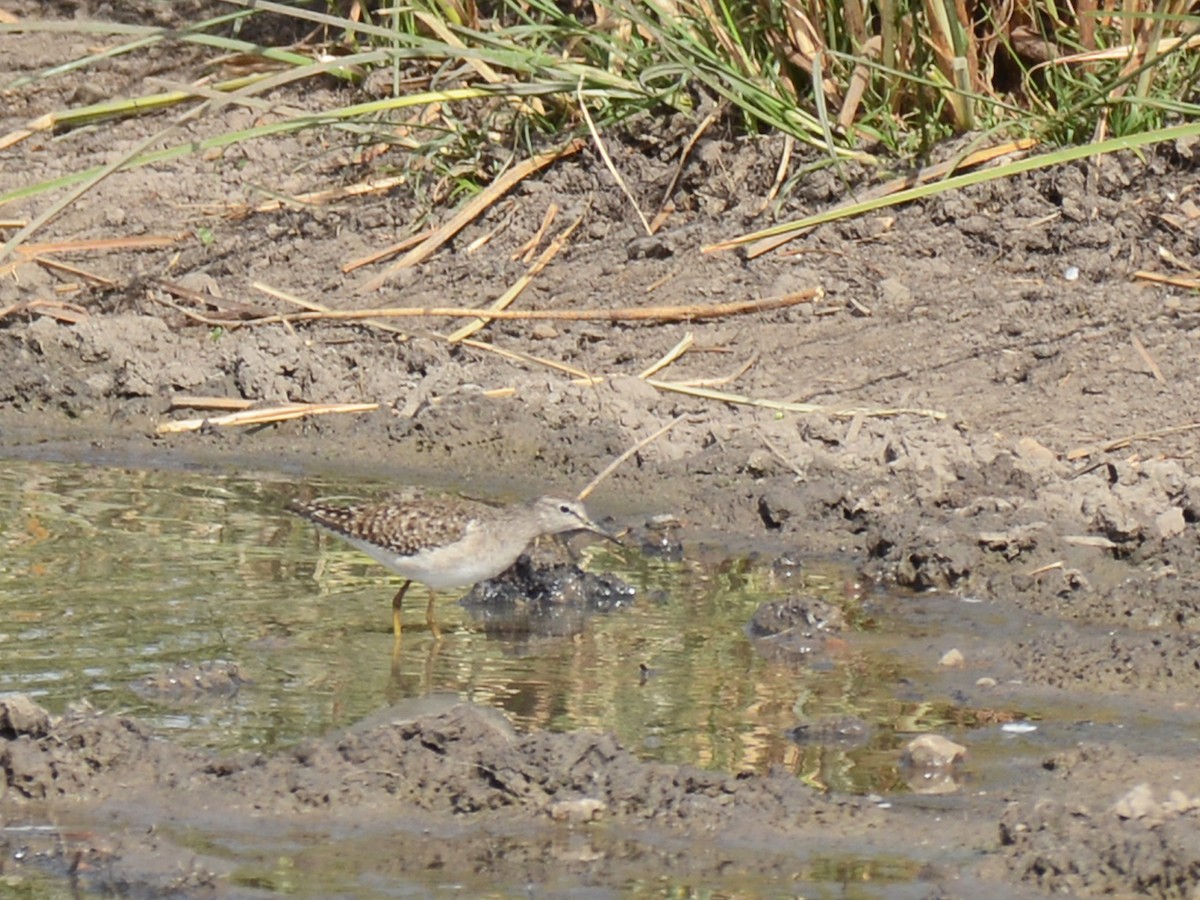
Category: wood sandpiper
[445,542]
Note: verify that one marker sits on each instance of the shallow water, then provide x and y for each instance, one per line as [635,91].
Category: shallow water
[111,576]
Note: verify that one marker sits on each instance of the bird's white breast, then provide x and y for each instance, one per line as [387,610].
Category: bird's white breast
[458,565]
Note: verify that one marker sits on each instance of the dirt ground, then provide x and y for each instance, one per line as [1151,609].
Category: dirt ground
[1061,481]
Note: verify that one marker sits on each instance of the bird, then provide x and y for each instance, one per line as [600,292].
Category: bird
[445,542]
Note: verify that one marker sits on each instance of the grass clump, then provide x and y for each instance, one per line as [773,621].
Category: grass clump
[466,88]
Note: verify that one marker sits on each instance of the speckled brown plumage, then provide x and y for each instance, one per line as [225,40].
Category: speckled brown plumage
[404,527]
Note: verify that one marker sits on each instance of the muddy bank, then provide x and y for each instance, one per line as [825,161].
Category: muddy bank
[463,774]
[460,791]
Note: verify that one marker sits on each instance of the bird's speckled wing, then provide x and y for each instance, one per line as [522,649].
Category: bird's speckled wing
[403,527]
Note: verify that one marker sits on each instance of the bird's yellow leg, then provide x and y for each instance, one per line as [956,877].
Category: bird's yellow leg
[396,601]
[430,620]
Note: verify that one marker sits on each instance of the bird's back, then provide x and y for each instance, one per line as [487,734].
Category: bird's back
[401,527]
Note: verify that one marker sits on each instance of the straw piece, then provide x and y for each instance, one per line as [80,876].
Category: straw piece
[505,299]
[786,406]
[56,309]
[265,416]
[785,160]
[671,355]
[1090,540]
[1148,359]
[722,380]
[183,401]
[514,355]
[520,356]
[76,271]
[123,159]
[1042,570]
[612,466]
[525,251]
[1174,280]
[231,308]
[684,156]
[471,211]
[608,163]
[623,314]
[143,242]
[319,198]
[1123,442]
[287,297]
[386,252]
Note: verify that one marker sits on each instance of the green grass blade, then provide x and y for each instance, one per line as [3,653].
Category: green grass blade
[1043,161]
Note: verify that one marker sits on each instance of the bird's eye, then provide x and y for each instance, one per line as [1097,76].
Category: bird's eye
[564,509]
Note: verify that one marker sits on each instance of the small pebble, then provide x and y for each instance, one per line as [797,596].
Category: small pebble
[932,751]
[952,659]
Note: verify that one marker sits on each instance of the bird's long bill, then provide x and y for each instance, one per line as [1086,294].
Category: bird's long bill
[603,532]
